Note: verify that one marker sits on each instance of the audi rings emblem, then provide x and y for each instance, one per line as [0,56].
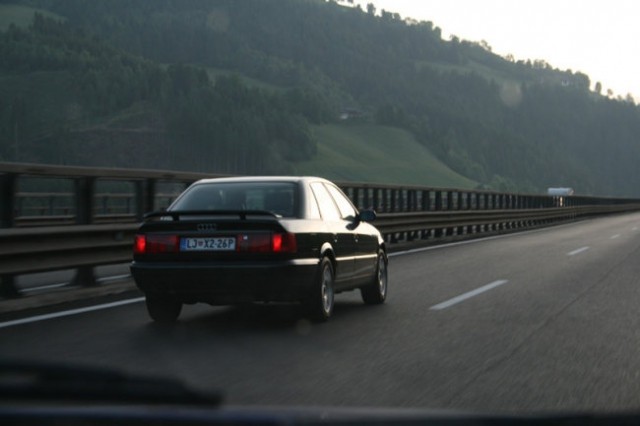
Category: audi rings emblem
[204,227]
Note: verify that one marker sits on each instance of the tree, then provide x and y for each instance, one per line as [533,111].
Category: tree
[598,88]
[371,9]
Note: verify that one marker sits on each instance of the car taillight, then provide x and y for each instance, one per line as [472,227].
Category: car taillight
[154,244]
[284,243]
[140,244]
[266,243]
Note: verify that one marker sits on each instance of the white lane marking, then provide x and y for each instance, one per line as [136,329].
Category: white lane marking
[66,283]
[70,312]
[114,278]
[458,243]
[44,287]
[613,237]
[578,251]
[467,295]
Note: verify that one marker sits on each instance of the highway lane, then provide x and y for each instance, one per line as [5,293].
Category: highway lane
[539,321]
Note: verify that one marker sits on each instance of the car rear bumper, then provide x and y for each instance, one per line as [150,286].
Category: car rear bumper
[225,283]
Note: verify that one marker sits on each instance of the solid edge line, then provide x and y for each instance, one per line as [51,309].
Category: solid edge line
[440,246]
[69,312]
[468,295]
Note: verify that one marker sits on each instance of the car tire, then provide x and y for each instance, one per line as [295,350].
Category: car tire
[376,292]
[321,301]
[163,310]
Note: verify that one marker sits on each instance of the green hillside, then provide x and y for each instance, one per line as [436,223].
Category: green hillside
[371,153]
[146,83]
[21,16]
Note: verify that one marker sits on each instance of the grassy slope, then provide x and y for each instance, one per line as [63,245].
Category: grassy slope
[370,153]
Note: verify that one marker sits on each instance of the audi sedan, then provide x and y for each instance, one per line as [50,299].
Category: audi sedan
[258,239]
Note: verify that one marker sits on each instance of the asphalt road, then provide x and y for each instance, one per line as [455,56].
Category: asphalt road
[533,322]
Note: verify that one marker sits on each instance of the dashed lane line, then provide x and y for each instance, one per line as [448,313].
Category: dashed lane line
[578,251]
[468,295]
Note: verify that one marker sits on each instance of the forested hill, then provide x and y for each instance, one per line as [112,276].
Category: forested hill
[238,86]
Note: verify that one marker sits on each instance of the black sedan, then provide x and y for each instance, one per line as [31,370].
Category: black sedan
[258,239]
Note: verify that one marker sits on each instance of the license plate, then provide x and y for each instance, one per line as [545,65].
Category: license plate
[208,244]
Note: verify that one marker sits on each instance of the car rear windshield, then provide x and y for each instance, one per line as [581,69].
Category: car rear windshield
[280,198]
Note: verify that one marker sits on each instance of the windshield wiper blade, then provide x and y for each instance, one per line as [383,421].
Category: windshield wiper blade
[22,381]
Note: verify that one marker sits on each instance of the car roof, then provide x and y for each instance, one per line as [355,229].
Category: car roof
[239,179]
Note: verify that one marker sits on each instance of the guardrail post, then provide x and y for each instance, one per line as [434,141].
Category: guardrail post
[84,277]
[426,201]
[376,199]
[439,206]
[85,188]
[355,197]
[8,184]
[366,198]
[145,197]
[394,200]
[438,200]
[8,289]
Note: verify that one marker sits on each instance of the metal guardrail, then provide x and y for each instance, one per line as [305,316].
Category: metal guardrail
[86,237]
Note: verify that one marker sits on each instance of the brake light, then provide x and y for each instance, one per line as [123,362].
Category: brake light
[284,243]
[140,244]
[154,244]
[266,243]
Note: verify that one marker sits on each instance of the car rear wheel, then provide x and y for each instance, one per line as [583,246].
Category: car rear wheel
[320,303]
[376,292]
[163,310]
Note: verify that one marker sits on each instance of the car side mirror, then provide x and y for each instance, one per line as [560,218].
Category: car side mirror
[367,216]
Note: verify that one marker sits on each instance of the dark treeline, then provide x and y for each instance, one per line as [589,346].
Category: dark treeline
[229,127]
[511,125]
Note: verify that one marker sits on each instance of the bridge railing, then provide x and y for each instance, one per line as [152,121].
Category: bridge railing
[58,217]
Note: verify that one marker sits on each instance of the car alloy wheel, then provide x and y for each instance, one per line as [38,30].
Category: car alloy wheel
[322,299]
[376,292]
[327,291]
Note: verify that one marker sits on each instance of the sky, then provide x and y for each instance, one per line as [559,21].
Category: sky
[598,38]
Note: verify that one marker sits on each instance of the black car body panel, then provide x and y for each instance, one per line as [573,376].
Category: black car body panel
[220,282]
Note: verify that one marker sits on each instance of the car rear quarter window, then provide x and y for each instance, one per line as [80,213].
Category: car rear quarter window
[326,204]
[347,211]
[313,211]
